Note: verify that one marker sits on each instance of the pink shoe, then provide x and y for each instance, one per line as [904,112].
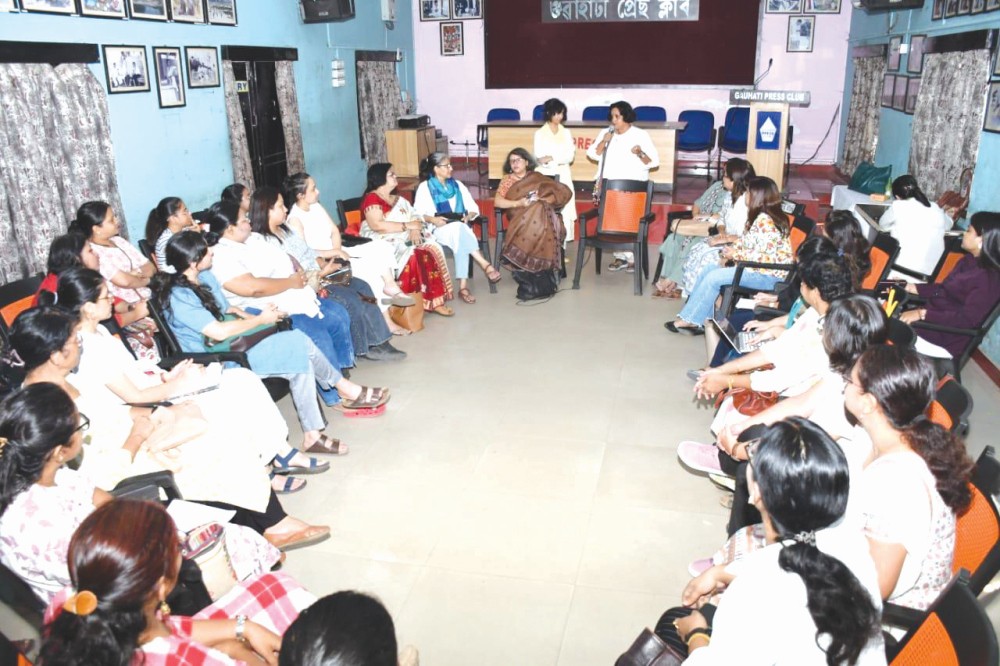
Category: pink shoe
[698,567]
[700,457]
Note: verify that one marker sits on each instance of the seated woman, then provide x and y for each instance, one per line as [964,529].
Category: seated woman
[811,596]
[553,144]
[42,502]
[124,561]
[128,441]
[916,479]
[439,194]
[171,216]
[128,272]
[369,333]
[967,296]
[254,274]
[918,225]
[764,240]
[731,225]
[371,261]
[417,259]
[535,235]
[238,193]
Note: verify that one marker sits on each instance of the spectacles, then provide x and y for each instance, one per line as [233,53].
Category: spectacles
[516,158]
[84,424]
[445,166]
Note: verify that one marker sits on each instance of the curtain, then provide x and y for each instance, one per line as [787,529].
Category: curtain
[948,119]
[379,106]
[239,148]
[288,103]
[861,136]
[57,155]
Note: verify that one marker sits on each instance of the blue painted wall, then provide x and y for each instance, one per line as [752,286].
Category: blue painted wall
[895,126]
[185,151]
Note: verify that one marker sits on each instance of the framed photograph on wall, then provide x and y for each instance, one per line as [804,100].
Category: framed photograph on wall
[950,8]
[221,12]
[892,57]
[915,58]
[467,9]
[125,69]
[992,4]
[187,11]
[435,10]
[103,8]
[801,30]
[202,66]
[964,7]
[978,6]
[992,122]
[169,81]
[822,7]
[938,11]
[783,7]
[452,39]
[49,6]
[148,10]
[912,91]
[888,87]
[899,93]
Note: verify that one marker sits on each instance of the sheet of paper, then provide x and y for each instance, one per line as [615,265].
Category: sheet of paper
[746,304]
[189,515]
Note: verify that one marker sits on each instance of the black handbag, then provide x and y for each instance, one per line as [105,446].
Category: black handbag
[534,286]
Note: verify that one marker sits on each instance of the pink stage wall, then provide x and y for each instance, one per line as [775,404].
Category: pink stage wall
[452,91]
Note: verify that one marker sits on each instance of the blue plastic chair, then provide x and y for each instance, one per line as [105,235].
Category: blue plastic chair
[538,114]
[598,113]
[733,135]
[698,136]
[651,114]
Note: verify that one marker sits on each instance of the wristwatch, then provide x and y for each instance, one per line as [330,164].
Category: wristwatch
[241,622]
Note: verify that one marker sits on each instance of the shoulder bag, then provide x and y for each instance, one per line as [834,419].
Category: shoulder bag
[246,340]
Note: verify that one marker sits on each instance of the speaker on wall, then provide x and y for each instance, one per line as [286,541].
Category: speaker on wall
[325,11]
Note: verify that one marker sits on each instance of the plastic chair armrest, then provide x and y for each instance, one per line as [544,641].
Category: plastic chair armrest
[205,358]
[900,616]
[942,328]
[912,273]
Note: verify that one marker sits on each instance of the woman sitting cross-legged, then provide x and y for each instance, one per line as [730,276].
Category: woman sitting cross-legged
[123,561]
[812,595]
[369,332]
[439,194]
[419,261]
[125,441]
[765,240]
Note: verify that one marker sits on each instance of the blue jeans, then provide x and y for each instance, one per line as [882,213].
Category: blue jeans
[331,333]
[701,303]
[368,327]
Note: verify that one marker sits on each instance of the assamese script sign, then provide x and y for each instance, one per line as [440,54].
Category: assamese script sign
[604,11]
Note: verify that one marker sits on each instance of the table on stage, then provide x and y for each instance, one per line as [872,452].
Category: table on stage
[505,135]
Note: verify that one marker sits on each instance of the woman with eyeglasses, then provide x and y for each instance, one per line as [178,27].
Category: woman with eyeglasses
[438,194]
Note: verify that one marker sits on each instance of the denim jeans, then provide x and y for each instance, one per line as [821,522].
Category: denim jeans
[368,327]
[701,303]
[331,333]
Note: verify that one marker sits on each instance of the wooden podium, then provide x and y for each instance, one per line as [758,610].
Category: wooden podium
[767,138]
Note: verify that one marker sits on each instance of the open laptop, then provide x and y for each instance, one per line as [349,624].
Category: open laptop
[742,341]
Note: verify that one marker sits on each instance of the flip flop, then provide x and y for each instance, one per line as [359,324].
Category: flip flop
[403,332]
[444,311]
[466,296]
[400,300]
[291,485]
[328,445]
[282,464]
[304,537]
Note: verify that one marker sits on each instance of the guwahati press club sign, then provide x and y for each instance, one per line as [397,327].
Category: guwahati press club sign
[603,11]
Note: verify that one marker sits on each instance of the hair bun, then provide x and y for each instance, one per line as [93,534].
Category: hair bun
[212,238]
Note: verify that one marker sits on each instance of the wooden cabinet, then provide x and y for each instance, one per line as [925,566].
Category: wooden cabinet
[407,147]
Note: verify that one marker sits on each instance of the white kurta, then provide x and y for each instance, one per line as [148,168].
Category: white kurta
[560,147]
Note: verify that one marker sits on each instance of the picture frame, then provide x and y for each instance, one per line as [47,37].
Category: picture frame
[8,6]
[822,7]
[888,87]
[912,92]
[148,10]
[899,93]
[169,77]
[991,123]
[996,65]
[435,10]
[49,6]
[202,65]
[964,7]
[992,5]
[938,12]
[892,54]
[950,8]
[783,7]
[187,11]
[801,31]
[978,7]
[467,10]
[221,12]
[915,56]
[125,69]
[452,39]
[103,8]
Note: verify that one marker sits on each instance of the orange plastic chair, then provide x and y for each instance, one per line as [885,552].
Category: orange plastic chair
[15,298]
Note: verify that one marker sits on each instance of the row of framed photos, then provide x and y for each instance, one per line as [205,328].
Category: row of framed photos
[944,9]
[900,92]
[800,6]
[127,72]
[216,12]
[446,10]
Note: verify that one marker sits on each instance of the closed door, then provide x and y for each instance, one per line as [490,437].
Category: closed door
[262,119]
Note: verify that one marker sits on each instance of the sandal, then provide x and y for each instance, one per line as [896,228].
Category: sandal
[287,485]
[492,274]
[444,311]
[328,445]
[304,537]
[466,296]
[368,398]
[283,464]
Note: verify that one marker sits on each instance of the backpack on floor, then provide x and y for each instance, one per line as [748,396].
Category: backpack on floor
[533,286]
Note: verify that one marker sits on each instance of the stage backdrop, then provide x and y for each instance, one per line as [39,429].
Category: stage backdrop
[523,51]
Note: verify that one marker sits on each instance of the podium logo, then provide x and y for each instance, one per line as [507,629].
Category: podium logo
[767,131]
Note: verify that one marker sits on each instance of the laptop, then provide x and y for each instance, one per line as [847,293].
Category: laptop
[742,341]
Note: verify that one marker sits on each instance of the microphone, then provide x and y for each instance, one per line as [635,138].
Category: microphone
[770,61]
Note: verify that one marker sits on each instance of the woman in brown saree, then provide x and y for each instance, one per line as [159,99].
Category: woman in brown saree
[533,201]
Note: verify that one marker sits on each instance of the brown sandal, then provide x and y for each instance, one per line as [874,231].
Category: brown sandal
[466,296]
[328,445]
[368,398]
[492,274]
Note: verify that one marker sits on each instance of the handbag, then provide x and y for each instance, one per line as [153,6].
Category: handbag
[247,339]
[340,277]
[649,650]
[411,318]
[870,179]
[206,546]
[534,286]
[747,401]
